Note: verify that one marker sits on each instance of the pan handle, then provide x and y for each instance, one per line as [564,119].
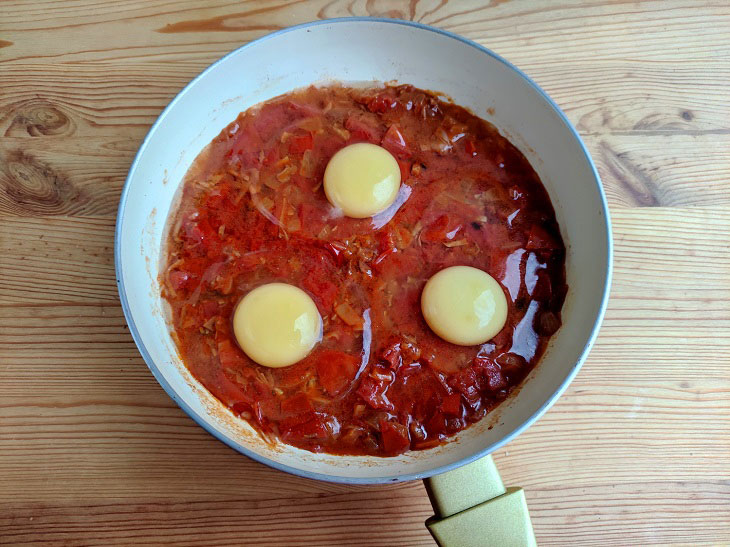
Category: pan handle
[473,508]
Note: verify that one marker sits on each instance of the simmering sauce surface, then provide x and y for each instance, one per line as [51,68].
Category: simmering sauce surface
[380,382]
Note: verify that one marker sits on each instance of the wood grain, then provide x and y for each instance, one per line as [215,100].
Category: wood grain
[92,451]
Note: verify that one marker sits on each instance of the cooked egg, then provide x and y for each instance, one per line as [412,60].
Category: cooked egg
[277,324]
[362,179]
[464,305]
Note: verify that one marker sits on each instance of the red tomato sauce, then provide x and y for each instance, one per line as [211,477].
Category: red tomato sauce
[253,211]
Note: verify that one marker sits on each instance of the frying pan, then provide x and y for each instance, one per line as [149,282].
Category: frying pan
[377,50]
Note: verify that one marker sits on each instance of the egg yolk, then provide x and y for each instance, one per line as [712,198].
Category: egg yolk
[464,305]
[277,324]
[362,179]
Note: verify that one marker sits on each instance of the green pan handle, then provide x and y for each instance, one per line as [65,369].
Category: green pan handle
[473,508]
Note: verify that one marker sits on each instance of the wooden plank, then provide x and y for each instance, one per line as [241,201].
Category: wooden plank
[57,259]
[672,170]
[568,30]
[640,513]
[62,100]
[366,516]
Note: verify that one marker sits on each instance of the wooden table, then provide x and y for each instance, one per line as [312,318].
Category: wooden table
[92,451]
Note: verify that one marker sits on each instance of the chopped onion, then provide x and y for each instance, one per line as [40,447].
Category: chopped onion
[442,143]
[308,164]
[341,131]
[324,232]
[311,124]
[348,315]
[294,224]
[272,182]
[286,173]
[267,203]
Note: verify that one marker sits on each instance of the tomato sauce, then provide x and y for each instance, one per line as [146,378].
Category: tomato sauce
[252,211]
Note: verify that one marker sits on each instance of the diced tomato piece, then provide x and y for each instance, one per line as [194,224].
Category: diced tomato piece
[217,200]
[230,356]
[337,250]
[262,389]
[381,103]
[336,369]
[391,354]
[492,372]
[269,120]
[436,231]
[323,290]
[299,143]
[303,110]
[180,280]
[470,147]
[495,380]
[268,409]
[436,425]
[314,428]
[201,233]
[410,351]
[540,239]
[468,383]
[295,411]
[382,256]
[241,407]
[272,156]
[209,308]
[386,246]
[311,217]
[405,169]
[296,405]
[289,377]
[385,240]
[196,266]
[229,392]
[395,437]
[451,404]
[191,232]
[441,229]
[543,290]
[375,391]
[409,370]
[511,364]
[363,128]
[303,183]
[395,142]
[402,237]
[246,146]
